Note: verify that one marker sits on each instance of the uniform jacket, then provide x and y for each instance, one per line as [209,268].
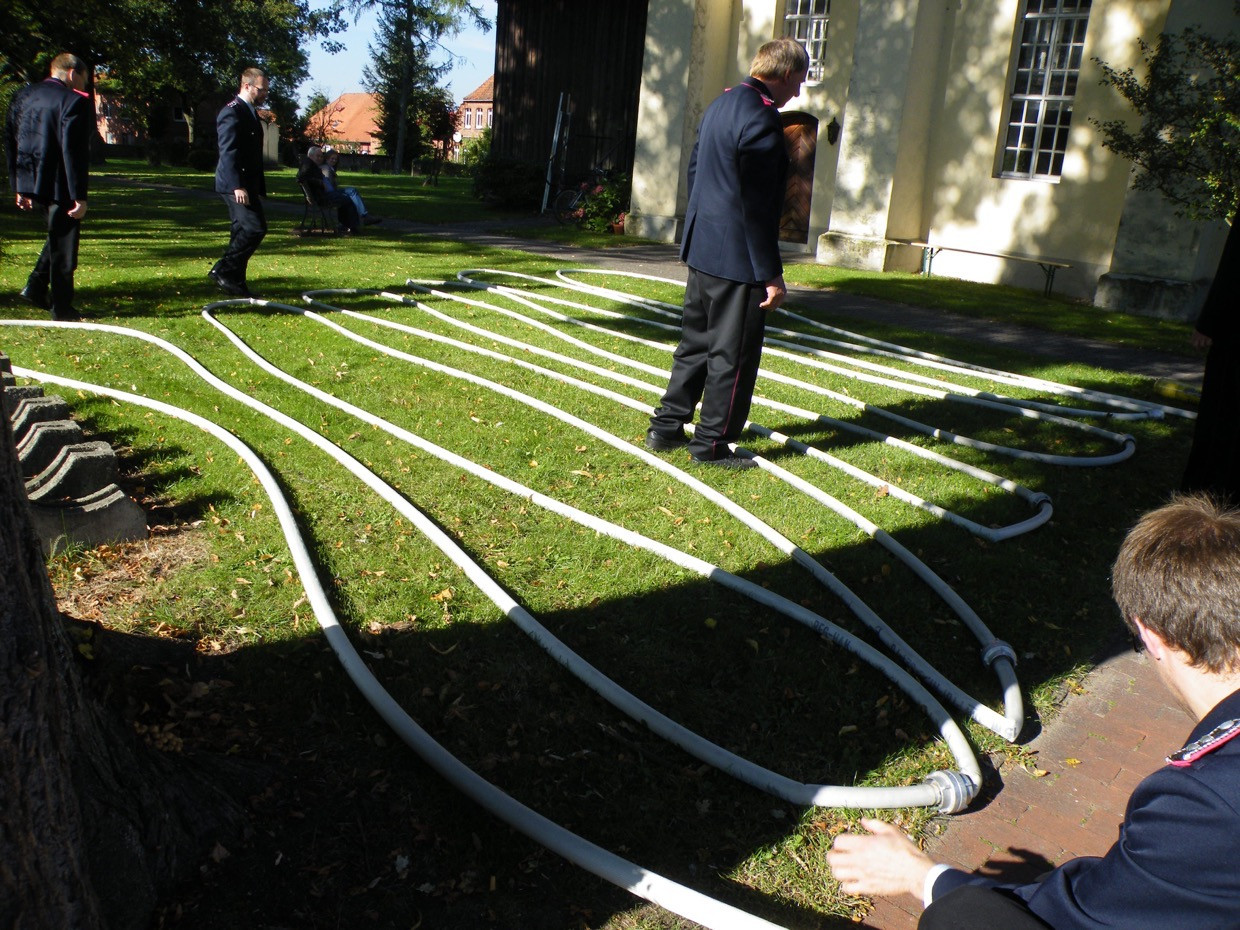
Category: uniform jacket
[1177,860]
[239,133]
[48,140]
[736,187]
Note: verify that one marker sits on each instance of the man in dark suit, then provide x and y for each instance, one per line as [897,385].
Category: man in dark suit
[731,245]
[48,140]
[1177,584]
[240,181]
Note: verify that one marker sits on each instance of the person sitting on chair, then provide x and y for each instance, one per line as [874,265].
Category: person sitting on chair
[329,179]
[310,175]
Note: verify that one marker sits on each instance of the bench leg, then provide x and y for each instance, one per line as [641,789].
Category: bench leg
[927,259]
[1049,271]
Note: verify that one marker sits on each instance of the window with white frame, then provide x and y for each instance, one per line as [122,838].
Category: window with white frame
[469,118]
[806,21]
[490,115]
[1048,64]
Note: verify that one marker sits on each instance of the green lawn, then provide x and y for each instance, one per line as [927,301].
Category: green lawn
[353,829]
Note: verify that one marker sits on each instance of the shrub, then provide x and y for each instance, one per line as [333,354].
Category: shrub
[202,159]
[508,183]
[608,202]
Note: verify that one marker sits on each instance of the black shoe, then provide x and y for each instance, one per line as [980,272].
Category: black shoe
[660,442]
[68,315]
[34,296]
[228,287]
[371,220]
[728,461]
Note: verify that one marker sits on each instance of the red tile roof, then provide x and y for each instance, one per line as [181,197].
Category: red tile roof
[352,118]
[484,94]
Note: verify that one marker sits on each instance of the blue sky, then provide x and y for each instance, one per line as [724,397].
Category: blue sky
[342,73]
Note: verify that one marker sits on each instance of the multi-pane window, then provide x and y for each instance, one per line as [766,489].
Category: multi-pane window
[469,118]
[806,21]
[490,114]
[1048,63]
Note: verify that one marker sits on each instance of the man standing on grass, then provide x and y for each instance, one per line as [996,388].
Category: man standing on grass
[731,245]
[1177,584]
[48,140]
[240,181]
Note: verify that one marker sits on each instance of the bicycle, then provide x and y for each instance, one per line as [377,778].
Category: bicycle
[569,205]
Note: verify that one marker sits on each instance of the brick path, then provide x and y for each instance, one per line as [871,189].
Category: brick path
[1117,731]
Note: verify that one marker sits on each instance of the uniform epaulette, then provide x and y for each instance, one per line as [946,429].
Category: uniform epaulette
[1224,732]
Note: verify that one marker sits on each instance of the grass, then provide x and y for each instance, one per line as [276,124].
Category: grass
[349,828]
[1000,304]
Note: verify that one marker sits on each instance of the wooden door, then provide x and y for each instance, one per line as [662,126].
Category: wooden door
[801,137]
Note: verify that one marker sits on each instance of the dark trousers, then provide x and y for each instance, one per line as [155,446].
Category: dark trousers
[1214,459]
[978,907]
[248,226]
[346,209]
[57,262]
[716,362]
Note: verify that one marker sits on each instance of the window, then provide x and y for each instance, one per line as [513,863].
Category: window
[1048,63]
[469,118]
[490,115]
[806,21]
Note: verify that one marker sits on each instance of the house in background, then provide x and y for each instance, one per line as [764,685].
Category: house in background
[349,123]
[476,111]
[968,125]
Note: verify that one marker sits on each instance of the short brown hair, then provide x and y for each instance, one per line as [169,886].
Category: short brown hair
[1178,572]
[249,74]
[66,62]
[779,58]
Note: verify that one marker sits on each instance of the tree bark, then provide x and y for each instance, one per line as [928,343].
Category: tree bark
[94,825]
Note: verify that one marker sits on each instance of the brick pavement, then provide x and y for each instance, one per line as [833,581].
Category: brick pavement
[1104,740]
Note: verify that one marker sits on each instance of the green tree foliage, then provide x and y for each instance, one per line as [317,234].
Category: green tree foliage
[402,74]
[162,52]
[1188,142]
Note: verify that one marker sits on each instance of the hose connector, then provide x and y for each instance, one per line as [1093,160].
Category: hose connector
[956,790]
[998,650]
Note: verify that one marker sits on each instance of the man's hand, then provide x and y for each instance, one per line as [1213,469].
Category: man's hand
[242,196]
[1200,340]
[24,202]
[775,293]
[884,862]
[77,211]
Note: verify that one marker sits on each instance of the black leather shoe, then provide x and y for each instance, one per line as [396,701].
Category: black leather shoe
[32,296]
[68,315]
[228,287]
[660,442]
[728,461]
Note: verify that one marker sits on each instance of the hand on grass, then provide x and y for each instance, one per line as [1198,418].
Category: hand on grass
[884,861]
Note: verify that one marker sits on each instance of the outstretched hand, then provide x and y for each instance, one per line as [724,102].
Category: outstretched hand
[884,861]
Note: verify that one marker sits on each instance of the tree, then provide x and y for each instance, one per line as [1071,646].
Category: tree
[409,32]
[1187,145]
[94,824]
[320,114]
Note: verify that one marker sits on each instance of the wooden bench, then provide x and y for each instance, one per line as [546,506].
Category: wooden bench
[929,250]
[318,217]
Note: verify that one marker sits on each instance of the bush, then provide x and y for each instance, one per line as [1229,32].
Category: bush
[202,159]
[509,184]
[609,201]
[177,153]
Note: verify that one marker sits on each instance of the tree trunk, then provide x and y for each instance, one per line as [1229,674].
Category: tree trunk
[93,825]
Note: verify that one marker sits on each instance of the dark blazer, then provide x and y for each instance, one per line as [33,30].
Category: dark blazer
[736,187]
[239,134]
[48,139]
[1176,862]
[311,175]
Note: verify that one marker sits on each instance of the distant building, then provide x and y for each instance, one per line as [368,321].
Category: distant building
[477,110]
[349,123]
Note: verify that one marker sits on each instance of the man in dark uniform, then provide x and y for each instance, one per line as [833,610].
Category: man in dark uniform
[1214,459]
[1177,584]
[239,180]
[736,186]
[48,140]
